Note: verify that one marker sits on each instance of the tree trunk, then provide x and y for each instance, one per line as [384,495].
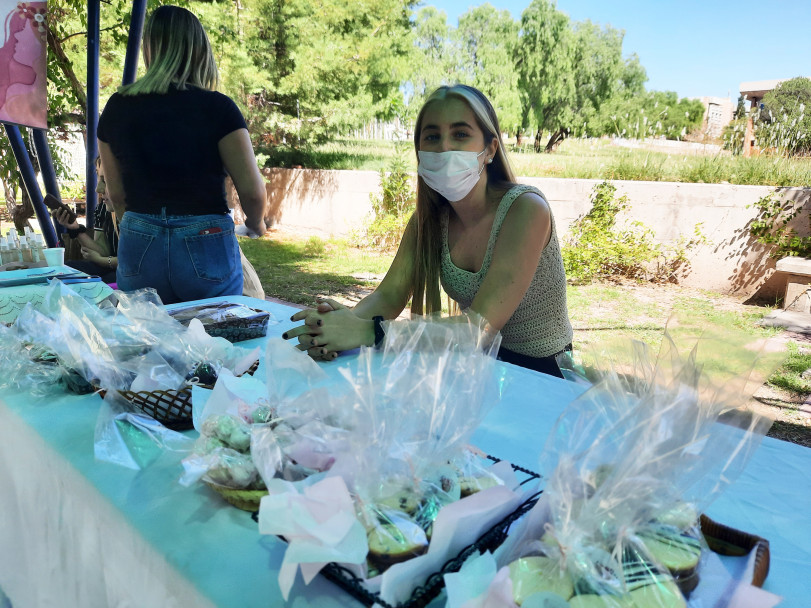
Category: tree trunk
[67,69]
[538,136]
[20,214]
[557,137]
[518,139]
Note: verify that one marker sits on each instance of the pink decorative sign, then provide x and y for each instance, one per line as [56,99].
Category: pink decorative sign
[23,64]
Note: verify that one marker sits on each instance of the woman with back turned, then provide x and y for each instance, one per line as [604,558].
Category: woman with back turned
[166,142]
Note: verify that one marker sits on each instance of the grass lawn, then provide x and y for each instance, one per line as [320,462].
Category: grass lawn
[575,158]
[297,270]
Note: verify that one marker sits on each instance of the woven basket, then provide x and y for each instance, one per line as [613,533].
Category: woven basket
[171,408]
[247,500]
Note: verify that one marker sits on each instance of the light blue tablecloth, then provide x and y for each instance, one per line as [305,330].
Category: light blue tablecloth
[14,299]
[213,553]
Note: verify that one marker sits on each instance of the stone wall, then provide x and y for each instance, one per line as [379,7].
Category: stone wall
[332,203]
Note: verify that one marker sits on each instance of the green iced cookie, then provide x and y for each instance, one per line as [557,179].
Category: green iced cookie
[536,574]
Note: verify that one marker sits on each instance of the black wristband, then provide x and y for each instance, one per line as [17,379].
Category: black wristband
[75,232]
[379,333]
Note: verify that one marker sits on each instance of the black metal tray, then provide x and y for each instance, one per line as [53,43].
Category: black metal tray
[433,586]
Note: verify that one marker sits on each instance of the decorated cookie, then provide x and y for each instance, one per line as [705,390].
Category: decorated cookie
[396,541]
[536,574]
[471,485]
[661,592]
[679,553]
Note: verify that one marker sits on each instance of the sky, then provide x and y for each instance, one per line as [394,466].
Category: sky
[694,47]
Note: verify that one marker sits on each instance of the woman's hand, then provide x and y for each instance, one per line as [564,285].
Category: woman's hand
[62,216]
[330,328]
[94,256]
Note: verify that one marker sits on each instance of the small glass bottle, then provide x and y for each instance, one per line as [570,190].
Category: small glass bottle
[36,247]
[25,250]
[14,249]
[5,254]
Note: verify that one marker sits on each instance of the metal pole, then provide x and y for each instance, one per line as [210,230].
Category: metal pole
[15,138]
[46,167]
[134,41]
[92,113]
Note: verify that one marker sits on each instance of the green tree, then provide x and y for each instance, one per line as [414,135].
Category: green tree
[651,114]
[633,76]
[740,109]
[598,69]
[330,65]
[435,58]
[488,39]
[545,63]
[784,124]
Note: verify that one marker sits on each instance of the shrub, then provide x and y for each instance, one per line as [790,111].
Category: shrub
[392,208]
[771,227]
[597,247]
[783,124]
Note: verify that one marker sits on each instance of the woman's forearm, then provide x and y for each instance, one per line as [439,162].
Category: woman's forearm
[377,303]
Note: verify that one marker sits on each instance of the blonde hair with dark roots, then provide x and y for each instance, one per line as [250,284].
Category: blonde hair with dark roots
[426,294]
[176,51]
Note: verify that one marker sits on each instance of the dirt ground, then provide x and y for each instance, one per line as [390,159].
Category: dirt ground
[791,412]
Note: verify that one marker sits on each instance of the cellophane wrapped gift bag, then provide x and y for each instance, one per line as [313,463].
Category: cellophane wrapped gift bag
[629,466]
[404,492]
[278,419]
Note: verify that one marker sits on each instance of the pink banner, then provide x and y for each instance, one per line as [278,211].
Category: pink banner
[23,64]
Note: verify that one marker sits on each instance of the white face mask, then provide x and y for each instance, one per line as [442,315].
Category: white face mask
[453,174]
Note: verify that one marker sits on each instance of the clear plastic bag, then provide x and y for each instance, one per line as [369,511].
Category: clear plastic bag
[117,346]
[630,465]
[406,421]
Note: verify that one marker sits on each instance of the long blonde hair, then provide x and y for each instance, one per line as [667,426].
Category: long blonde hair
[176,51]
[426,295]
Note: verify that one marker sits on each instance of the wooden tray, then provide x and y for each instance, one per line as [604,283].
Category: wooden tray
[729,541]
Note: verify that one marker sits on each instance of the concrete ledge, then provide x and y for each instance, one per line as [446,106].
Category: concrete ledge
[794,265]
[334,203]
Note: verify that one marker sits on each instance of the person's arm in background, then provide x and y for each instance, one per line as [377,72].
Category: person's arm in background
[236,152]
[85,240]
[112,177]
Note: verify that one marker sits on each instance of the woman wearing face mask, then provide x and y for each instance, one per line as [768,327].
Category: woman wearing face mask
[490,242]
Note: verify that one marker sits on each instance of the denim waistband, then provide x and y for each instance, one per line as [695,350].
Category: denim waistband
[163,215]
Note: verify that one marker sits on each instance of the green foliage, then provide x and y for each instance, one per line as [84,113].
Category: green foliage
[434,59]
[598,68]
[392,208]
[652,114]
[329,65]
[545,58]
[648,168]
[314,247]
[598,247]
[783,125]
[734,134]
[487,39]
[789,375]
[772,226]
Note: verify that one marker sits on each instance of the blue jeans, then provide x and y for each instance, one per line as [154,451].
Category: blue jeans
[183,257]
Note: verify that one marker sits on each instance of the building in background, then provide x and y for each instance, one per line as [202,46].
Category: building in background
[754,92]
[718,113]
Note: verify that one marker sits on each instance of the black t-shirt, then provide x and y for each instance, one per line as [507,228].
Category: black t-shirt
[166,146]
